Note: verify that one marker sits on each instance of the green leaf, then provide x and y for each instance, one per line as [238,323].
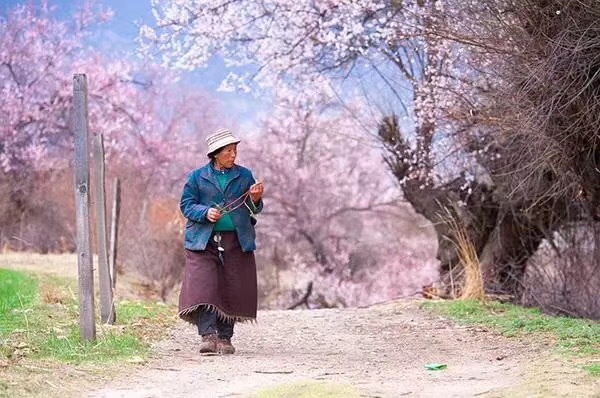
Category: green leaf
[435,366]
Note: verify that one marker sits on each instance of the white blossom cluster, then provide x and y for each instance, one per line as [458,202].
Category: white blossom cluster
[419,50]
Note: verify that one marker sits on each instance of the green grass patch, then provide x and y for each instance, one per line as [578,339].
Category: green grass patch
[130,311]
[309,390]
[43,323]
[17,292]
[108,347]
[17,289]
[572,336]
[593,370]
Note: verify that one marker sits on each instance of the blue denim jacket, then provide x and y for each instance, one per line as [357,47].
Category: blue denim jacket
[202,191]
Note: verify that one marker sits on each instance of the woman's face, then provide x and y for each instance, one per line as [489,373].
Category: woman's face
[226,157]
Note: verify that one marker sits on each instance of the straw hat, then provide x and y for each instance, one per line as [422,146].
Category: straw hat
[219,139]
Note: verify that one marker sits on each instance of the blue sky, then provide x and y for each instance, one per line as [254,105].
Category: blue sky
[117,38]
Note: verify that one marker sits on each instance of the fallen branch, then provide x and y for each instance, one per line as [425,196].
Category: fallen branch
[274,372]
[304,299]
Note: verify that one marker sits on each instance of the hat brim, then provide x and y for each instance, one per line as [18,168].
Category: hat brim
[222,143]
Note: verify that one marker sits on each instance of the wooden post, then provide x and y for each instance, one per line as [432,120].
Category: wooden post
[87,323]
[107,307]
[114,231]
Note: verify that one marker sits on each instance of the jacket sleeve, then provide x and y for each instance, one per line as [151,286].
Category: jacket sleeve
[190,202]
[255,207]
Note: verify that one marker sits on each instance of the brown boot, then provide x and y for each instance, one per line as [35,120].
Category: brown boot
[209,344]
[224,346]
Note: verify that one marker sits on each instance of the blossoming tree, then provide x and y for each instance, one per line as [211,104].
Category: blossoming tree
[330,220]
[150,121]
[405,58]
[434,72]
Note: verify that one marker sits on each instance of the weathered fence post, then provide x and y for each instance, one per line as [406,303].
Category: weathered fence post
[107,307]
[87,324]
[114,231]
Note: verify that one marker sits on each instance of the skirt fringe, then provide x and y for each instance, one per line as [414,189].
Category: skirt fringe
[189,314]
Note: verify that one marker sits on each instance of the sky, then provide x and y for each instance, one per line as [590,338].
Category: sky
[117,38]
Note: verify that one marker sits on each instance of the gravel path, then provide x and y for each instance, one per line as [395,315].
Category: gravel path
[380,351]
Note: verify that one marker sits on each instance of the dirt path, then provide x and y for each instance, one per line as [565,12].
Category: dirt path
[380,351]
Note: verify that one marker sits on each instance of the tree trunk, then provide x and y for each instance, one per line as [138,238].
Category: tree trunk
[503,242]
[504,256]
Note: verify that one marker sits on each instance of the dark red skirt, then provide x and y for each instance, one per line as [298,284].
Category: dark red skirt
[229,289]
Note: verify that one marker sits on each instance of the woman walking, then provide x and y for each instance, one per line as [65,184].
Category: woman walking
[219,286]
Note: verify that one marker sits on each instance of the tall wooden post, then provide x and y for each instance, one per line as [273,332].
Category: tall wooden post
[107,308]
[114,231]
[87,324]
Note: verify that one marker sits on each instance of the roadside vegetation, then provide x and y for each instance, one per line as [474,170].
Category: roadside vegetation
[39,332]
[570,336]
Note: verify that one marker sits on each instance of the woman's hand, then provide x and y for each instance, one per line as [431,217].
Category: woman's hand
[256,191]
[213,215]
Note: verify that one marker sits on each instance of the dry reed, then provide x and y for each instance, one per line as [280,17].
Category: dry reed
[472,286]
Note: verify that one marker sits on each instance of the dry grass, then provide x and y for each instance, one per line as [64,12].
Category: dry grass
[65,266]
[472,287]
[52,294]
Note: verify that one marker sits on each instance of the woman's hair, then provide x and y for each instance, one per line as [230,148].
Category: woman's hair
[215,152]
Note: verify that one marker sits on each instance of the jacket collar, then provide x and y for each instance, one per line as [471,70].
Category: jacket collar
[207,173]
